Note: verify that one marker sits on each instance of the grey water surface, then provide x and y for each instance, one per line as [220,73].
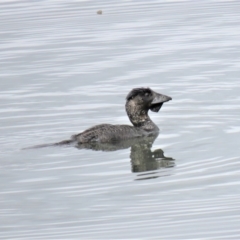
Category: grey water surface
[64,68]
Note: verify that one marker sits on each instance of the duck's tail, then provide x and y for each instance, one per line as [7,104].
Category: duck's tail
[65,142]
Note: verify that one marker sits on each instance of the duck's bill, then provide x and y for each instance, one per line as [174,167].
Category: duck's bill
[156,107]
[158,101]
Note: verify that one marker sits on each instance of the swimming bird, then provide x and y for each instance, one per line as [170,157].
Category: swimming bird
[138,102]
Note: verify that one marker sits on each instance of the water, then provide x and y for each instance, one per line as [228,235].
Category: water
[65,68]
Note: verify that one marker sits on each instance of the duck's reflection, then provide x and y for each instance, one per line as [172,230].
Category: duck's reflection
[143,159]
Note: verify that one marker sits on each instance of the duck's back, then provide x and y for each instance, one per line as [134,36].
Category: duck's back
[108,133]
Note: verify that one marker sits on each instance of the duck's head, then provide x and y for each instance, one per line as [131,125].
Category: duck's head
[146,98]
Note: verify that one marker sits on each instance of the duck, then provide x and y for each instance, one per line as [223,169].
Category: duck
[138,103]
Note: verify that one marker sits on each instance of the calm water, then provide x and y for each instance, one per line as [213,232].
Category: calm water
[64,68]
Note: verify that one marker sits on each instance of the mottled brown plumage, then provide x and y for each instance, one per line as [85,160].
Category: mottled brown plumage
[138,103]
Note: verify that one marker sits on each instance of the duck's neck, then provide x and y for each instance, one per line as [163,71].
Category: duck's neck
[139,117]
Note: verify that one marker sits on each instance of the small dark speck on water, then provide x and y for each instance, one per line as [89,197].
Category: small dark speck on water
[99,12]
